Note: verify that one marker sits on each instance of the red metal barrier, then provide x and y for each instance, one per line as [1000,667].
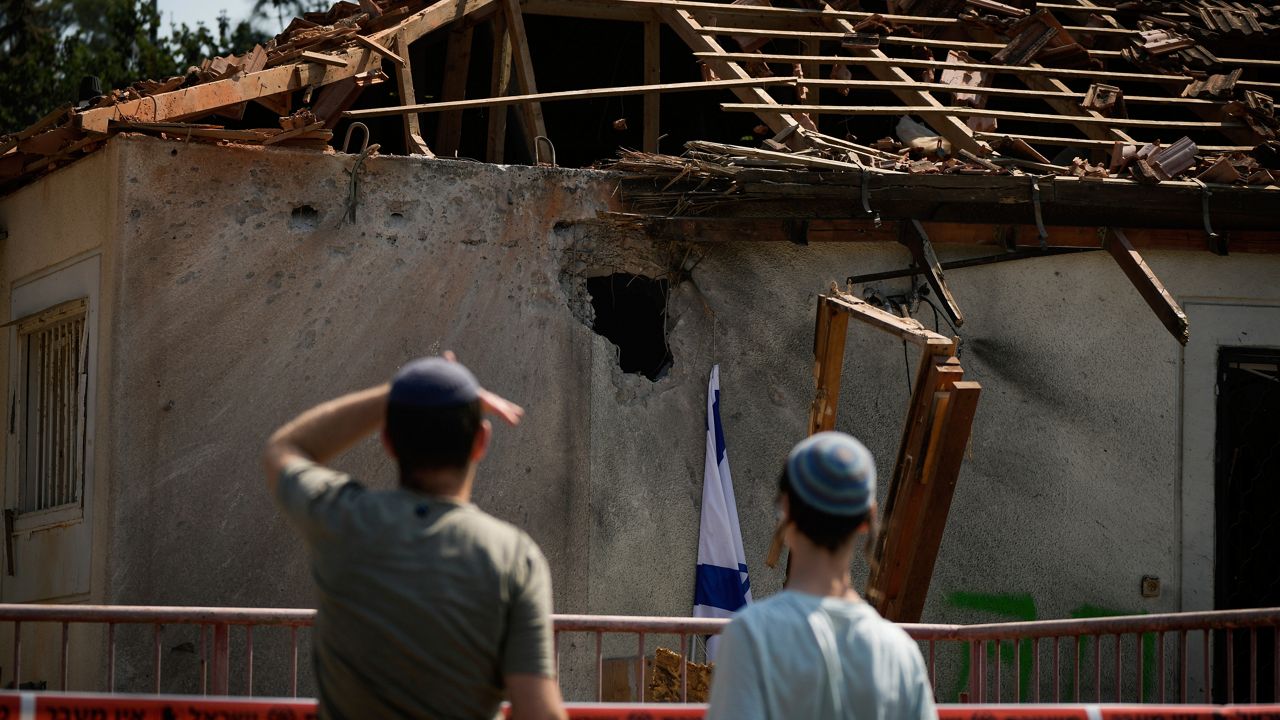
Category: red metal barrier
[88,706]
[1036,648]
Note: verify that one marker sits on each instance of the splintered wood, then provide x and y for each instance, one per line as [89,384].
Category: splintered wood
[934,438]
[664,678]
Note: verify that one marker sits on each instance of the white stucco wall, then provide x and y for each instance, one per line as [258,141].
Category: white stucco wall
[230,315]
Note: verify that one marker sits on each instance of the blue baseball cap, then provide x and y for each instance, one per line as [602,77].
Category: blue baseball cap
[834,473]
[433,382]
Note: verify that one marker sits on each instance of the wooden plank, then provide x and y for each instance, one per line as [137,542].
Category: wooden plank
[907,329]
[325,58]
[786,18]
[830,333]
[652,76]
[456,64]
[917,240]
[902,505]
[413,142]
[436,16]
[49,120]
[870,62]
[500,85]
[281,104]
[1104,144]
[287,134]
[383,51]
[943,472]
[962,111]
[1149,286]
[534,124]
[690,30]
[1002,92]
[569,95]
[199,100]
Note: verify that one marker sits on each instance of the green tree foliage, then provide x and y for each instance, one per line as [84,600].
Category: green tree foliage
[48,46]
[283,10]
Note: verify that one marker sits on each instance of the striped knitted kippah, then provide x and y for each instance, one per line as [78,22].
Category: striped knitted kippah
[833,473]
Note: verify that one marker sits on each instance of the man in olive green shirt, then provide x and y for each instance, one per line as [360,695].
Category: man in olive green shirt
[428,607]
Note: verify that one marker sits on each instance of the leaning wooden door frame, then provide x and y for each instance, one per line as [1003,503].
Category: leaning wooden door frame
[934,439]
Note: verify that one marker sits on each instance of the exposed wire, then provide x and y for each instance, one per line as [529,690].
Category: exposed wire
[954,331]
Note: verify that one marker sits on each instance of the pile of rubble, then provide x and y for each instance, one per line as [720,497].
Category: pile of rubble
[1150,163]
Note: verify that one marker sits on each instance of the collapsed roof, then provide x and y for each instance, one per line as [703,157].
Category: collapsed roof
[1139,93]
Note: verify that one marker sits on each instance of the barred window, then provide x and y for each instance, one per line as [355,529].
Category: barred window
[53,372]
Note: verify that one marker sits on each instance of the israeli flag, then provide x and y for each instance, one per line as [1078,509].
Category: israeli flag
[722,584]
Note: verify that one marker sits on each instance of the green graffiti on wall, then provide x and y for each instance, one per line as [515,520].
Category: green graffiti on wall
[1021,606]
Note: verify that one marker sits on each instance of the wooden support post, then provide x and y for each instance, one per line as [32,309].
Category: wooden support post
[413,142]
[457,62]
[942,470]
[830,331]
[525,81]
[496,146]
[690,30]
[905,506]
[652,76]
[1148,285]
[915,238]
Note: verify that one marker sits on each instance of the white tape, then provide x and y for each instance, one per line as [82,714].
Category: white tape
[27,706]
[1093,711]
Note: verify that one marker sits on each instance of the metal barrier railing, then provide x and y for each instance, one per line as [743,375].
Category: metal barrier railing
[161,707]
[1237,643]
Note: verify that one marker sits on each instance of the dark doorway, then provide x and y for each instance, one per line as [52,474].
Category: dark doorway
[631,311]
[1247,562]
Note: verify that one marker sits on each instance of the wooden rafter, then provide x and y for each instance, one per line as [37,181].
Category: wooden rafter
[457,62]
[951,128]
[500,85]
[934,111]
[413,142]
[534,124]
[1068,73]
[690,30]
[1148,285]
[200,100]
[652,76]
[646,90]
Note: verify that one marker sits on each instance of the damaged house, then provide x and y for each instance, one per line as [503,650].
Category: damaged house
[1053,225]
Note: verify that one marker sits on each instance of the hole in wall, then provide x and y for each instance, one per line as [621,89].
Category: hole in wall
[304,218]
[631,312]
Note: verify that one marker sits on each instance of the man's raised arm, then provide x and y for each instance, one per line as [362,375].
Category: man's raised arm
[325,431]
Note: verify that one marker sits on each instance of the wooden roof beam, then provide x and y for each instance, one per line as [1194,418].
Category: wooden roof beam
[1148,285]
[1091,75]
[963,111]
[561,95]
[200,100]
[690,30]
[957,132]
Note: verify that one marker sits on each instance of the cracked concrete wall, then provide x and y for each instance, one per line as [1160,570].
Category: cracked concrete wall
[242,299]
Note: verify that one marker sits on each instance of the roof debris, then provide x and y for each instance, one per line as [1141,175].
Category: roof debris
[966,82]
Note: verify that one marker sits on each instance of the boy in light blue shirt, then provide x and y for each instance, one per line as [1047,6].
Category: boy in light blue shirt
[817,650]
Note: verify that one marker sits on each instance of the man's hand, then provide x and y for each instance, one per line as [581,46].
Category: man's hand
[492,403]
